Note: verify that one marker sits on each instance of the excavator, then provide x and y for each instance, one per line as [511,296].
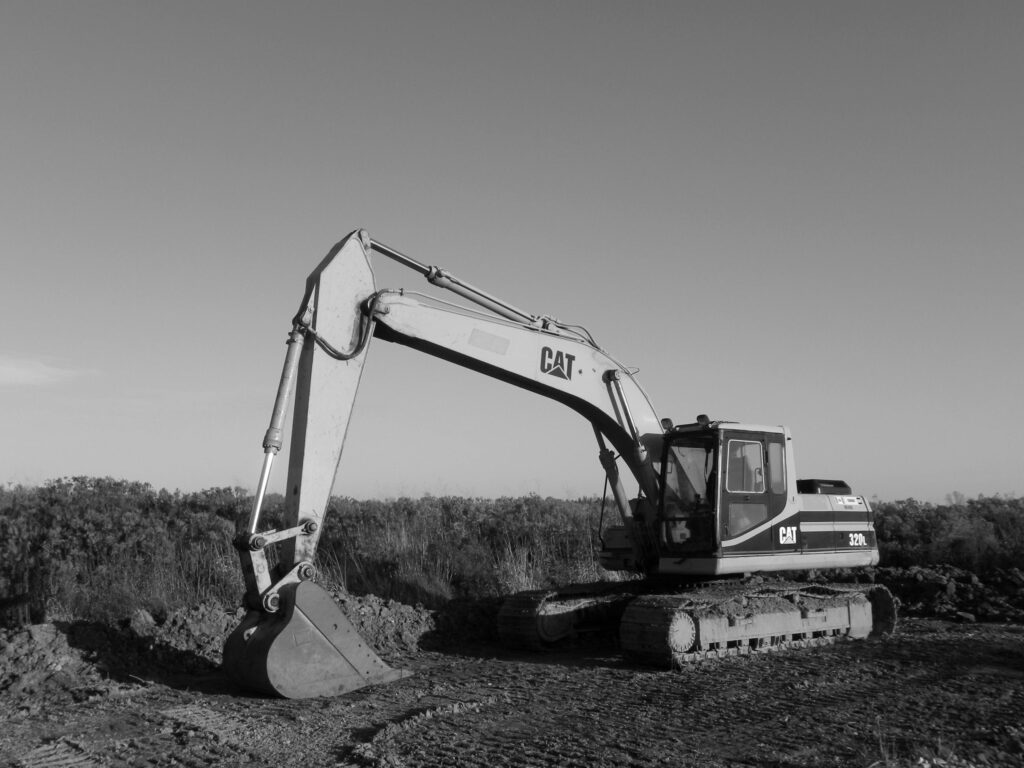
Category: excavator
[717,502]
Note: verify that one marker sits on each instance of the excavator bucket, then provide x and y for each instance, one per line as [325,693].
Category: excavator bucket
[307,648]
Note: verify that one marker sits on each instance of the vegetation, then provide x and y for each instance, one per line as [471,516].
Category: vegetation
[97,548]
[432,549]
[89,547]
[974,534]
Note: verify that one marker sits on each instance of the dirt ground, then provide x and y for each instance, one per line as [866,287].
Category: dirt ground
[937,693]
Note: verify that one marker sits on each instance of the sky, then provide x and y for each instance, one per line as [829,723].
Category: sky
[799,213]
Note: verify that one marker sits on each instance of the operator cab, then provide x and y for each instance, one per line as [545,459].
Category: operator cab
[720,481]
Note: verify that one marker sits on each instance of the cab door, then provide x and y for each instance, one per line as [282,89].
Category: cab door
[754,492]
[745,499]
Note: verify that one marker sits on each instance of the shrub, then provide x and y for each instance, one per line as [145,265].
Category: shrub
[96,547]
[977,534]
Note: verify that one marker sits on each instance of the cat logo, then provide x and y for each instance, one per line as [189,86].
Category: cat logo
[787,534]
[556,363]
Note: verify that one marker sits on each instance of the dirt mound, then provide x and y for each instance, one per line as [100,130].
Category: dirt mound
[200,631]
[39,658]
[943,591]
[83,658]
[387,625]
[86,658]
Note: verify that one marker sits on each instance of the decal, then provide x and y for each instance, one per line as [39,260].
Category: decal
[835,527]
[558,364]
[858,540]
[787,534]
[488,341]
[765,526]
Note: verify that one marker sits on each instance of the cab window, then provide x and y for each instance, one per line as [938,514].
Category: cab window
[777,462]
[744,467]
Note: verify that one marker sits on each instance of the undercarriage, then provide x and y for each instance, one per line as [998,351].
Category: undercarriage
[686,623]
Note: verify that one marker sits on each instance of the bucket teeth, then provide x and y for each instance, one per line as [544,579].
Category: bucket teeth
[307,648]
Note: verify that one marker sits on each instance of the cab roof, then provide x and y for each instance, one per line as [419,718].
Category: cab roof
[736,426]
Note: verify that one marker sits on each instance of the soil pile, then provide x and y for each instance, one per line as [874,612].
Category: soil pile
[386,625]
[943,591]
[84,658]
[39,659]
[80,658]
[389,626]
[200,631]
[947,592]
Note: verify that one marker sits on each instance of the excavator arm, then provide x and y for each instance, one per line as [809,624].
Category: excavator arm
[294,641]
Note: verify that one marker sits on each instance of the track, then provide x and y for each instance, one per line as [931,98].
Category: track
[932,688]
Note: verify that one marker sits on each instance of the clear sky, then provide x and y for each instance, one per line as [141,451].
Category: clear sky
[800,213]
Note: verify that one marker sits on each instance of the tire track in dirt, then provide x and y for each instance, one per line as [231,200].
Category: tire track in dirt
[959,686]
[839,701]
[60,754]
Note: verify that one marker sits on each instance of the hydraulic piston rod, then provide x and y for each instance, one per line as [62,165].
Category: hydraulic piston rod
[272,441]
[443,279]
